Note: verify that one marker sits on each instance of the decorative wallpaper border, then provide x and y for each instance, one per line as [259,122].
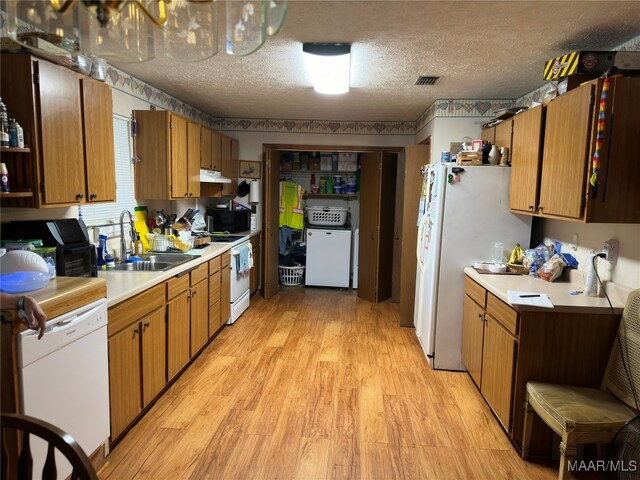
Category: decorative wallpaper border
[315,126]
[461,108]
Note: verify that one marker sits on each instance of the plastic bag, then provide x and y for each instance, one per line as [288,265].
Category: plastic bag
[537,256]
[552,268]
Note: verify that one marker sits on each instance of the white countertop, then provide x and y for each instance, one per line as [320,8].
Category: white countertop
[122,285]
[559,292]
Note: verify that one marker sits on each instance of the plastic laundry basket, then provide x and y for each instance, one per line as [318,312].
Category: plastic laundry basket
[291,276]
[328,216]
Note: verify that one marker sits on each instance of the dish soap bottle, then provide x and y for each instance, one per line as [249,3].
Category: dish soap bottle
[138,248]
[5,179]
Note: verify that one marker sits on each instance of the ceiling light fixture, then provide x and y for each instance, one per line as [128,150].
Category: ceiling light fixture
[122,31]
[329,65]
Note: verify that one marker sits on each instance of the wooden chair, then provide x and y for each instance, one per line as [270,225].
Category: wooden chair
[589,415]
[22,463]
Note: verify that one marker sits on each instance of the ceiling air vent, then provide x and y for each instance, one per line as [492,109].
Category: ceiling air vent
[424,80]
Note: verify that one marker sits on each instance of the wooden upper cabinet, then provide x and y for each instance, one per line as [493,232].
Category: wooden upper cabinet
[169,149]
[230,158]
[205,148]
[216,151]
[526,149]
[488,135]
[193,159]
[60,119]
[565,157]
[503,133]
[179,162]
[99,155]
[68,125]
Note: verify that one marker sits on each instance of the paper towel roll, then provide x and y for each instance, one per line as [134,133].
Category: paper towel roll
[254,192]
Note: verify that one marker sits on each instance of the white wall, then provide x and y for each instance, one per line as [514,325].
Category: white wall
[444,130]
[591,236]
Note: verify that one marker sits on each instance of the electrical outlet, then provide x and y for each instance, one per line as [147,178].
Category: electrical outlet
[611,249]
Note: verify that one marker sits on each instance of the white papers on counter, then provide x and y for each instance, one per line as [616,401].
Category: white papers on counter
[531,299]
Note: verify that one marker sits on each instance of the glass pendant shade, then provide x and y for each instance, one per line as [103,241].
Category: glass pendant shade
[276,13]
[246,26]
[37,25]
[191,32]
[127,38]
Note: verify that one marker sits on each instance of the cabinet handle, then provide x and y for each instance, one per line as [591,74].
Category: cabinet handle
[190,194]
[147,324]
[186,194]
[539,208]
[193,294]
[79,196]
[531,207]
[93,196]
[136,331]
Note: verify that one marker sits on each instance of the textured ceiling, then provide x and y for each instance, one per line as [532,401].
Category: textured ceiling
[480,49]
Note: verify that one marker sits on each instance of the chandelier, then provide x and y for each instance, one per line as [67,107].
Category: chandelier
[127,31]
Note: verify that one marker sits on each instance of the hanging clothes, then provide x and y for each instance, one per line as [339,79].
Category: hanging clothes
[291,211]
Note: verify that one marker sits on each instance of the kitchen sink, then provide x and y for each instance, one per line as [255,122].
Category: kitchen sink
[156,262]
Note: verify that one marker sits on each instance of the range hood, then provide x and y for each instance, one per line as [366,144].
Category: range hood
[211,176]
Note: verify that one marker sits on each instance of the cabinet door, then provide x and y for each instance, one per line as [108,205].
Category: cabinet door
[488,135]
[205,148]
[216,151]
[525,160]
[225,294]
[230,159]
[472,339]
[504,131]
[154,356]
[178,339]
[97,116]
[497,369]
[199,316]
[62,154]
[214,318]
[193,159]
[565,155]
[124,378]
[179,176]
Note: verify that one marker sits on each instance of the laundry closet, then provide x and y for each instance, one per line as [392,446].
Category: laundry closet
[326,208]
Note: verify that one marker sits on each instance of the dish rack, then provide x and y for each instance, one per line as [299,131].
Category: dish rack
[291,276]
[168,243]
[330,216]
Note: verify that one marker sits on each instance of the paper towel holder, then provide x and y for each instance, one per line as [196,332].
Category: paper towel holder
[254,192]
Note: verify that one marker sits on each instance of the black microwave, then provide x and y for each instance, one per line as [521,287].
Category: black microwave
[231,221]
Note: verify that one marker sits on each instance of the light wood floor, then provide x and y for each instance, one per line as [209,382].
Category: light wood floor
[318,384]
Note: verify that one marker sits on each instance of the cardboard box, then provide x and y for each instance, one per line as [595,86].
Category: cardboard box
[314,163]
[590,62]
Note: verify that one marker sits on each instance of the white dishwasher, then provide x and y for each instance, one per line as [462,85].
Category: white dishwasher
[64,379]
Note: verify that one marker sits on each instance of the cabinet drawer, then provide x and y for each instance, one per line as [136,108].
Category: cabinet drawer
[475,291]
[177,285]
[503,313]
[133,309]
[214,288]
[214,265]
[226,259]
[199,274]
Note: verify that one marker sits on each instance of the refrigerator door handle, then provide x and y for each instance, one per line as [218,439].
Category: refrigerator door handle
[419,244]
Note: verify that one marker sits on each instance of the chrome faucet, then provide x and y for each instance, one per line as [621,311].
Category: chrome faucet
[132,233]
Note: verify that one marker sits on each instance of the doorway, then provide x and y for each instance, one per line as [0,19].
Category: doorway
[376,201]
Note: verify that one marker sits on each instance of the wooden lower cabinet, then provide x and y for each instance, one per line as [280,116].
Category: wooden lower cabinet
[503,349]
[199,316]
[125,378]
[178,335]
[499,349]
[137,346]
[254,273]
[472,338]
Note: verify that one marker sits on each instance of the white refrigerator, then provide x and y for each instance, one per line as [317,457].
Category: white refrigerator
[462,215]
